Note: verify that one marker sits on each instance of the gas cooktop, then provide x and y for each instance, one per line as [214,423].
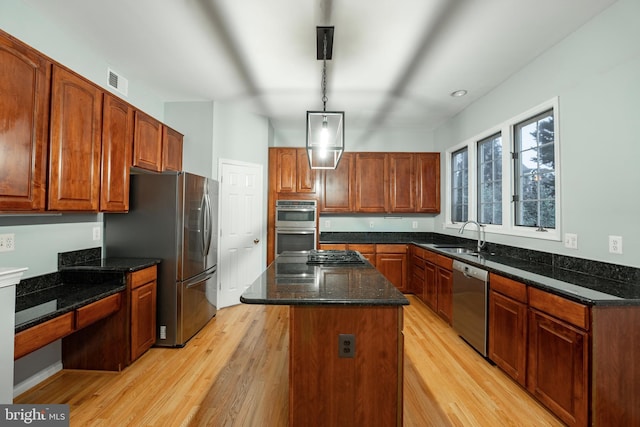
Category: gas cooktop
[334,257]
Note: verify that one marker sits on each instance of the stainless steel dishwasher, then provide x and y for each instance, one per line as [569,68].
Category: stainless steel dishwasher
[470,305]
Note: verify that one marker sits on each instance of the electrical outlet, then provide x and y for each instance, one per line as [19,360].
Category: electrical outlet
[96,233]
[571,241]
[370,224]
[615,244]
[7,242]
[327,224]
[347,346]
[414,224]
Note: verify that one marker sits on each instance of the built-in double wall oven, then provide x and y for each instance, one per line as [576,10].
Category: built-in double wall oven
[296,228]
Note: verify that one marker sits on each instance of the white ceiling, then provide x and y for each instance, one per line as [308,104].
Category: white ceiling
[395,62]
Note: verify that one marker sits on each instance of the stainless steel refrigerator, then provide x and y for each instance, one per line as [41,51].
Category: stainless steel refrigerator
[172,217]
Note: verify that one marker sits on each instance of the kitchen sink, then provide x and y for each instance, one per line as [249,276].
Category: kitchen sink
[460,250]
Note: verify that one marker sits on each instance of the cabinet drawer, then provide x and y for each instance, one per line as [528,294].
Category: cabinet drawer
[40,335]
[363,248]
[391,249]
[430,257]
[561,308]
[419,252]
[97,310]
[140,277]
[417,267]
[444,262]
[508,287]
[333,246]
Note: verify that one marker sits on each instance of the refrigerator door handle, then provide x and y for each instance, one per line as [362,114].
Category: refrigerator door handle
[204,225]
[207,226]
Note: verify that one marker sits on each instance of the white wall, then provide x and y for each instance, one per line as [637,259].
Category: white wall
[195,121]
[595,72]
[357,139]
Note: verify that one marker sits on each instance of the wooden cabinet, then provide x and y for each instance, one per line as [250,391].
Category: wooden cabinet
[143,319]
[367,250]
[416,268]
[428,182]
[147,142]
[508,326]
[337,187]
[371,189]
[430,286]
[391,261]
[75,143]
[402,182]
[172,141]
[444,284]
[45,333]
[114,342]
[24,103]
[117,141]
[558,357]
[292,171]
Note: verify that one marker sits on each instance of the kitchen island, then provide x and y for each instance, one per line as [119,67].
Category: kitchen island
[345,340]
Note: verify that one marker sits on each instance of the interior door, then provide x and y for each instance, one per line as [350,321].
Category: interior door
[242,215]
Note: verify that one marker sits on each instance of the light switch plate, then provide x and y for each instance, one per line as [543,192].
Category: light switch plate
[571,241]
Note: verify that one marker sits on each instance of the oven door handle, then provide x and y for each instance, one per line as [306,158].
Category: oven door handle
[295,210]
[294,231]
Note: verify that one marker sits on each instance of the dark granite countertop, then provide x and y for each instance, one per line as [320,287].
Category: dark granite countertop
[585,281]
[83,277]
[125,265]
[38,306]
[290,281]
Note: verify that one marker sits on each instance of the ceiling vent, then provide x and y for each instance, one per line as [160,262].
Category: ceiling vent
[116,82]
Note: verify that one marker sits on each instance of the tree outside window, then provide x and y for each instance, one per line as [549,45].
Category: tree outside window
[460,185]
[490,180]
[534,157]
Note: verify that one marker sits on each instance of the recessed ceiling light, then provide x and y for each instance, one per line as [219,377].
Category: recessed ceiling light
[458,93]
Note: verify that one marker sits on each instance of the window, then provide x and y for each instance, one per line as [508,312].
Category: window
[490,180]
[535,172]
[508,176]
[459,186]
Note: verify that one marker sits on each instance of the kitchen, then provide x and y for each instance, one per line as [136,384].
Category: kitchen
[597,62]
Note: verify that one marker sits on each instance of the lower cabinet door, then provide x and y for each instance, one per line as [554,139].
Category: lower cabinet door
[558,367]
[508,335]
[143,319]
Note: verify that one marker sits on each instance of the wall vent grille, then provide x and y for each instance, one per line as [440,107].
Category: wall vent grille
[116,82]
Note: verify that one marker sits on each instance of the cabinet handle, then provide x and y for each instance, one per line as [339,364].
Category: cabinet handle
[256,241]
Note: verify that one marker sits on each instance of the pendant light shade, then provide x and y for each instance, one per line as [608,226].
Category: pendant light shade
[325,129]
[325,138]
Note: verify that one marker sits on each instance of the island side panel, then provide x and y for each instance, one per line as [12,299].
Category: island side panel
[616,371]
[325,389]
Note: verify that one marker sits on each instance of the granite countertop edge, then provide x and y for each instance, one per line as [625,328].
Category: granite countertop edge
[125,265]
[326,302]
[558,287]
[107,289]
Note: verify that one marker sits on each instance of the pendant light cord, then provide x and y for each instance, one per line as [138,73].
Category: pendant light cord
[324,75]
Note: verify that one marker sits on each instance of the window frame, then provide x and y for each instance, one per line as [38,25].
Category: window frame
[507,131]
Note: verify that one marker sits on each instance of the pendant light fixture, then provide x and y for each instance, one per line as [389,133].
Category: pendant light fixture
[325,129]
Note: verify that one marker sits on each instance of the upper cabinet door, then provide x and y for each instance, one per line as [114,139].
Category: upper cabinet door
[286,160]
[402,182]
[24,103]
[306,177]
[147,142]
[337,186]
[74,155]
[171,150]
[372,191]
[117,141]
[428,191]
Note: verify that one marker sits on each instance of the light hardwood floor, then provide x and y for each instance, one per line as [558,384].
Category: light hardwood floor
[235,373]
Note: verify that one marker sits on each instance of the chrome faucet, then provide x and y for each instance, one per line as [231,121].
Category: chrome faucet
[481,241]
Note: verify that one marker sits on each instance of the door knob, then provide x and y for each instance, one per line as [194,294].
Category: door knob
[256,241]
